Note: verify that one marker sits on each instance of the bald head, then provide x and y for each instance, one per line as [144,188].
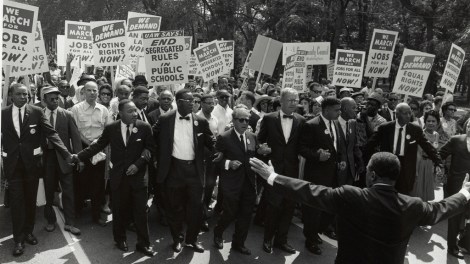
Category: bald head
[348,108]
[403,114]
[122,92]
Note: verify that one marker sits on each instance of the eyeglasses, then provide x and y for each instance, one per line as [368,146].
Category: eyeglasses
[197,102]
[189,101]
[209,103]
[293,101]
[106,94]
[452,109]
[243,120]
[316,91]
[224,97]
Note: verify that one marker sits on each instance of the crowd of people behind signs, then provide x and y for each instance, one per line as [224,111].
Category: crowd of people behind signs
[119,143]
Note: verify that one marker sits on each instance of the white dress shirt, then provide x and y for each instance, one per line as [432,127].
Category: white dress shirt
[142,115]
[163,111]
[213,123]
[47,112]
[224,117]
[124,132]
[286,124]
[16,120]
[343,125]
[468,144]
[227,162]
[331,132]
[392,114]
[395,138]
[183,143]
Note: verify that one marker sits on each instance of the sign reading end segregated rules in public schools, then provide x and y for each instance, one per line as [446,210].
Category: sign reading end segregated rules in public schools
[349,65]
[166,57]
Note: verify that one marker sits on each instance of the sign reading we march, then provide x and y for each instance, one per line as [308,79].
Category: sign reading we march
[166,57]
[380,56]
[349,65]
[453,67]
[79,41]
[109,42]
[19,24]
[211,62]
[138,23]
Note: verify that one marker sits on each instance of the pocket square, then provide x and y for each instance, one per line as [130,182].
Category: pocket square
[412,142]
[33,125]
[138,139]
[199,134]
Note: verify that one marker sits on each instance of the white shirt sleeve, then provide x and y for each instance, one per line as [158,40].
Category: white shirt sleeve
[466,193]
[227,162]
[271,178]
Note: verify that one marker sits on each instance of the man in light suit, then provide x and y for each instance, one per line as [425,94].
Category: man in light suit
[181,137]
[129,139]
[374,223]
[458,147]
[23,129]
[237,181]
[402,138]
[56,168]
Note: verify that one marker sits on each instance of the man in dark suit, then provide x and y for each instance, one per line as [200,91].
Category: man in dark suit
[248,98]
[402,138]
[140,97]
[56,168]
[319,143]
[165,99]
[237,181]
[23,129]
[351,159]
[389,112]
[374,223]
[181,137]
[458,147]
[129,139]
[281,131]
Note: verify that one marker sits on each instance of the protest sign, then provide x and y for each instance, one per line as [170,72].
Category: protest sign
[210,60]
[295,72]
[227,47]
[109,42]
[349,65]
[413,72]
[61,61]
[124,71]
[138,23]
[19,24]
[265,55]
[165,57]
[380,56]
[194,66]
[330,69]
[245,71]
[79,41]
[39,57]
[318,53]
[453,67]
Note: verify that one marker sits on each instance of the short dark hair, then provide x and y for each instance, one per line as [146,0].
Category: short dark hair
[414,102]
[206,96]
[106,86]
[311,85]
[438,99]
[446,105]
[423,104]
[250,96]
[123,103]
[432,113]
[179,94]
[140,89]
[385,165]
[330,101]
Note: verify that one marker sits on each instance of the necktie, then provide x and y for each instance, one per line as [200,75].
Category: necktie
[398,146]
[20,117]
[393,118]
[347,130]
[142,115]
[184,117]
[332,135]
[51,119]
[243,142]
[128,134]
[288,116]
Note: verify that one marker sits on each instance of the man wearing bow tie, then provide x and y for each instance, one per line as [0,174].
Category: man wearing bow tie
[181,137]
[402,138]
[281,131]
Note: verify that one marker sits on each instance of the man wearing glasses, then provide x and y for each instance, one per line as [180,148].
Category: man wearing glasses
[315,91]
[222,110]
[65,101]
[389,112]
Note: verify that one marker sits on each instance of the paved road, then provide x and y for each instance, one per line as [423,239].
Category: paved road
[95,245]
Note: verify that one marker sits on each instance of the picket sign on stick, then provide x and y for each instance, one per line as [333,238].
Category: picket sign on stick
[264,60]
[374,83]
[5,86]
[112,76]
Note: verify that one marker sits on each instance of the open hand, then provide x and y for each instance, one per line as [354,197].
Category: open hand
[234,164]
[261,168]
[132,170]
[324,154]
[466,184]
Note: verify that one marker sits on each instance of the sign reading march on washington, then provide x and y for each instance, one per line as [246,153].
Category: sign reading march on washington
[453,67]
[349,65]
[79,41]
[380,56]
[413,72]
[19,24]
[109,42]
[138,23]
[165,57]
[318,53]
[39,57]
[211,62]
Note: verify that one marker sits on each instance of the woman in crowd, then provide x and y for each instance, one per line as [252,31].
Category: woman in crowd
[414,105]
[197,103]
[105,94]
[424,107]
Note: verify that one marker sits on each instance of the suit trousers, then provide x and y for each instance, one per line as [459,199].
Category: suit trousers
[184,193]
[315,222]
[91,183]
[239,207]
[278,218]
[454,225]
[52,177]
[130,205]
[22,188]
[211,178]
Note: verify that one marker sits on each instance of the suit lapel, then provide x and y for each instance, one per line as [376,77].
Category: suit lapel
[194,130]
[25,119]
[295,124]
[171,129]
[391,135]
[341,133]
[279,125]
[325,128]
[237,139]
[9,119]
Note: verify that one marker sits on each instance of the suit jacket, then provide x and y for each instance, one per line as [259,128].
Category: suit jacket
[284,156]
[351,153]
[383,139]
[460,161]
[154,116]
[164,137]
[68,132]
[231,181]
[27,147]
[385,113]
[151,105]
[314,136]
[253,120]
[123,156]
[373,224]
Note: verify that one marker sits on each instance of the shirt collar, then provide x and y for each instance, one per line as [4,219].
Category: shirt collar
[324,119]
[178,115]
[22,108]
[282,113]
[341,120]
[123,125]
[87,105]
[397,126]
[163,111]
[238,134]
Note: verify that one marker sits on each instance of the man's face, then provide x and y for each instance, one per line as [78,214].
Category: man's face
[141,100]
[129,113]
[64,88]
[403,115]
[243,100]
[449,113]
[165,100]
[289,103]
[372,107]
[207,105]
[185,104]
[52,100]
[316,91]
[99,73]
[127,83]
[223,83]
[251,85]
[223,100]
[91,92]
[392,101]
[414,109]
[333,112]
[240,122]
[350,110]
[123,92]
[359,99]
[55,79]
[33,89]
[19,96]
[427,108]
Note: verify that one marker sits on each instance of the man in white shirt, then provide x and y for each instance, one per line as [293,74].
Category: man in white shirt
[222,111]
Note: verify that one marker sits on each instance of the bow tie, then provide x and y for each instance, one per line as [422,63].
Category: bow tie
[288,116]
[184,117]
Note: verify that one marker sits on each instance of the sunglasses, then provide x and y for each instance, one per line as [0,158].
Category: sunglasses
[452,109]
[224,97]
[316,91]
[243,120]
